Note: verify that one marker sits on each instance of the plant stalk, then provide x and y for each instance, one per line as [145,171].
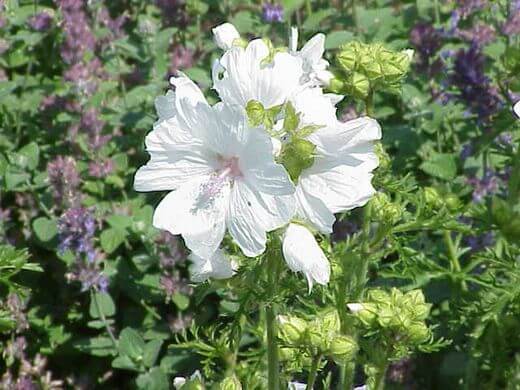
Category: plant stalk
[314,371]
[271,327]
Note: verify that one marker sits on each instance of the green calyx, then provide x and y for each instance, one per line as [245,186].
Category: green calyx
[384,210]
[258,115]
[370,67]
[297,155]
[272,52]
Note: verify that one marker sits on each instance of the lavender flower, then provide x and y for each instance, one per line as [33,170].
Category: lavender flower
[179,322]
[181,58]
[479,35]
[100,169]
[173,12]
[467,7]
[512,26]
[171,256]
[76,228]
[79,38]
[64,179]
[115,26]
[505,139]
[41,21]
[272,13]
[474,86]
[4,45]
[91,125]
[487,185]
[480,242]
[467,151]
[17,307]
[85,76]
[427,41]
[88,274]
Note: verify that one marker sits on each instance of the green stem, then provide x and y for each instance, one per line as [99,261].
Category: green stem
[369,103]
[437,12]
[379,380]
[452,256]
[103,318]
[271,327]
[308,7]
[314,371]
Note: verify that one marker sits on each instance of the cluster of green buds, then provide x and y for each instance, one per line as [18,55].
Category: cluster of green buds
[367,68]
[384,210]
[321,335]
[297,152]
[436,201]
[397,317]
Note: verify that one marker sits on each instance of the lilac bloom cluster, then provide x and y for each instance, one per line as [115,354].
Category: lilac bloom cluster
[272,13]
[41,21]
[487,185]
[76,228]
[427,40]
[475,88]
[31,374]
[64,179]
[479,35]
[92,126]
[181,58]
[170,259]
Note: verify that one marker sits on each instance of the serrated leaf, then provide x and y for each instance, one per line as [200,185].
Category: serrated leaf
[124,362]
[111,239]
[151,351]
[45,229]
[440,165]
[131,344]
[106,305]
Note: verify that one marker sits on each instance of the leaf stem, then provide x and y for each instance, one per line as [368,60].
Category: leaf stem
[103,318]
[314,371]
[452,256]
[271,326]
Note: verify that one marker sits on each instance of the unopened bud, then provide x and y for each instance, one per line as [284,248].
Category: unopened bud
[230,383]
[418,332]
[433,198]
[342,349]
[291,329]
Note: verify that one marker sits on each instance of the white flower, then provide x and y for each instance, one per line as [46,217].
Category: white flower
[225,34]
[340,177]
[516,109]
[303,254]
[221,173]
[180,381]
[355,307]
[241,75]
[314,66]
[296,386]
[217,266]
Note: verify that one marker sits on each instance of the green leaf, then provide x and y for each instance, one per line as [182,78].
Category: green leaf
[314,20]
[123,362]
[111,239]
[45,229]
[30,154]
[120,222]
[181,300]
[441,165]
[151,351]
[155,379]
[337,38]
[96,346]
[291,120]
[131,344]
[106,305]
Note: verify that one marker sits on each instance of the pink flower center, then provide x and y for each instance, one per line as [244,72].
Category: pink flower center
[228,171]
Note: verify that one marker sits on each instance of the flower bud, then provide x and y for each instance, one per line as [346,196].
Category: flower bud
[224,35]
[329,322]
[383,157]
[384,210]
[452,202]
[230,383]
[291,329]
[433,198]
[297,155]
[418,332]
[342,349]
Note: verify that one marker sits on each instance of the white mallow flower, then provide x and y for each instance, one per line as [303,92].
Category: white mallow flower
[242,75]
[340,176]
[303,254]
[314,66]
[225,34]
[516,109]
[296,386]
[220,172]
[218,266]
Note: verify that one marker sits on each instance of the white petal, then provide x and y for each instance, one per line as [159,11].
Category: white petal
[165,105]
[247,230]
[201,223]
[314,210]
[188,97]
[303,254]
[313,50]
[245,77]
[224,35]
[178,382]
[355,307]
[293,40]
[340,188]
[516,109]
[216,266]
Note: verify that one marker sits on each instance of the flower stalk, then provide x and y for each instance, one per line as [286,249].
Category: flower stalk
[273,379]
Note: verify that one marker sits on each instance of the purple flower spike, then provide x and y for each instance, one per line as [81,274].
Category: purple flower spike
[41,21]
[272,13]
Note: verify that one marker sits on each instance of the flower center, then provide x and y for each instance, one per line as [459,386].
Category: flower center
[227,172]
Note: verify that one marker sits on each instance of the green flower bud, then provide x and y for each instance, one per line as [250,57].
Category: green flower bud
[368,314]
[433,198]
[383,157]
[255,113]
[337,86]
[329,322]
[316,339]
[291,329]
[418,332]
[287,354]
[358,85]
[342,349]
[384,210]
[193,384]
[230,383]
[452,202]
[297,155]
